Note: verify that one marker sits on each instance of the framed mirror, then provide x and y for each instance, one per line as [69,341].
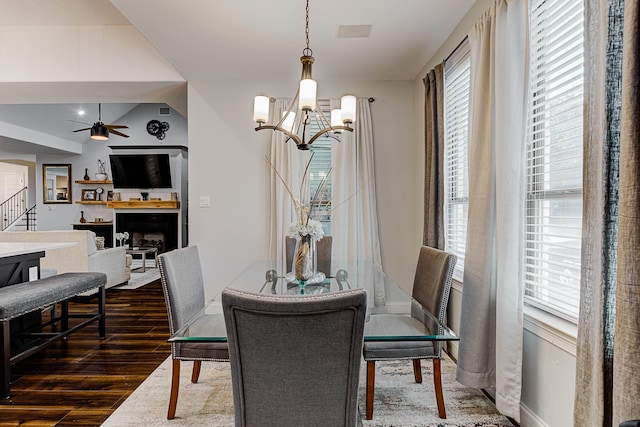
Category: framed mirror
[56,183]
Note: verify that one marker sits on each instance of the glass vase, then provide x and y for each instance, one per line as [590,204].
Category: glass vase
[304,260]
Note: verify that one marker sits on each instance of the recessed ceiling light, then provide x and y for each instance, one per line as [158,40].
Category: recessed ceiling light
[81,112]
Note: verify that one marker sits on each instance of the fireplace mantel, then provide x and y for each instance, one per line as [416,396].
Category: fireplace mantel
[144,204]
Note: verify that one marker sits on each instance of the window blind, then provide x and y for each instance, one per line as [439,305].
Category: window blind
[456,160]
[553,225]
[320,166]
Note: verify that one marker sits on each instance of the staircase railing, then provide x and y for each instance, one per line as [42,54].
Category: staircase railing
[30,218]
[13,208]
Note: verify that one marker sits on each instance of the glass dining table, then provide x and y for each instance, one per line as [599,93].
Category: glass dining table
[385,298]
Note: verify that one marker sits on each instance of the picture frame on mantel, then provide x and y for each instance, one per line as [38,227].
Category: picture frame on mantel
[88,195]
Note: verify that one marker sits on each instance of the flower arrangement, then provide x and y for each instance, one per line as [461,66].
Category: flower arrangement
[304,229]
[122,237]
[304,225]
[102,170]
[312,228]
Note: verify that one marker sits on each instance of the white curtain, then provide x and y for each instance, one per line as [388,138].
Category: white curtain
[290,163]
[354,215]
[490,351]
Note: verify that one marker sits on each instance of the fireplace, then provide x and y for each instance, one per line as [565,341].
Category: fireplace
[152,230]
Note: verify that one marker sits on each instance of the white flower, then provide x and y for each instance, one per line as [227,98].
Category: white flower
[312,228]
[122,236]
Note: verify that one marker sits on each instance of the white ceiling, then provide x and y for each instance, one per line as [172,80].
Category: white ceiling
[232,39]
[247,40]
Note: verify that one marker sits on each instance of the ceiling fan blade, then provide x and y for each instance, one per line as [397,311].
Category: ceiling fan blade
[80,130]
[115,132]
[116,127]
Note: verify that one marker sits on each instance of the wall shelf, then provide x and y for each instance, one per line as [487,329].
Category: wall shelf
[93,181]
[91,202]
[92,223]
[144,204]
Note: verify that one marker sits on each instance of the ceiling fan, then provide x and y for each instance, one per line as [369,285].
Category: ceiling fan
[100,131]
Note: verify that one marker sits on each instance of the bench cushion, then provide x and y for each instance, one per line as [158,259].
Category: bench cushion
[16,300]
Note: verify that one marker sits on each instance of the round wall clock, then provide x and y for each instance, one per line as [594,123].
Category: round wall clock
[157,128]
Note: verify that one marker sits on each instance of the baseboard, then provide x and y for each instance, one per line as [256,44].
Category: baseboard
[529,419]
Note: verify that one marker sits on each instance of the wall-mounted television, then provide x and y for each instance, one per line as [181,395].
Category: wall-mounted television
[140,170]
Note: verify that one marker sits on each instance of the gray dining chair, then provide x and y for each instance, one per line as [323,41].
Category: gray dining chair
[431,287]
[295,360]
[323,254]
[183,288]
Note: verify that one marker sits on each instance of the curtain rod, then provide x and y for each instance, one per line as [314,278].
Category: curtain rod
[371,99]
[456,48]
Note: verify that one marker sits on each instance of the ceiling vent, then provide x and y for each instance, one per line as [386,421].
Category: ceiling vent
[165,111]
[353,31]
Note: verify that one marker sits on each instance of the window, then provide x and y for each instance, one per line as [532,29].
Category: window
[554,158]
[456,160]
[320,166]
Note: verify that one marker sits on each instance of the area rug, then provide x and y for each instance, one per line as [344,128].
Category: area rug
[140,278]
[399,401]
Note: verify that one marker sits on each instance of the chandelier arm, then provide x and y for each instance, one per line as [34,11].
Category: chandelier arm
[329,129]
[324,120]
[291,135]
[289,110]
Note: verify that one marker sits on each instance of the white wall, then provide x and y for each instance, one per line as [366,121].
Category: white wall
[548,375]
[226,164]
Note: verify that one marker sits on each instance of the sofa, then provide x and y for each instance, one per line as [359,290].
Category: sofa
[82,257]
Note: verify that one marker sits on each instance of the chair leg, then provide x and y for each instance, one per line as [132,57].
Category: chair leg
[195,374]
[371,380]
[175,386]
[417,371]
[437,382]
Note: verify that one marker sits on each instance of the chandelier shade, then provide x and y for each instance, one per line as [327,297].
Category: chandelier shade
[305,103]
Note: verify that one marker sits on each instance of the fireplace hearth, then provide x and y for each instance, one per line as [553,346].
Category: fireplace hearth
[150,230]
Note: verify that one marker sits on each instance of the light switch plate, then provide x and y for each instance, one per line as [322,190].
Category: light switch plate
[205,202]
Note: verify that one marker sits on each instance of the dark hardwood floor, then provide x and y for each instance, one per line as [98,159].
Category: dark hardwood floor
[80,382]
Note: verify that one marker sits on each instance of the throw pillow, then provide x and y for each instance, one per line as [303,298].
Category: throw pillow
[100,242]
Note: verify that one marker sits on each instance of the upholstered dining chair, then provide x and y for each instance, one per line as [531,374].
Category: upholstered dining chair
[323,253]
[295,360]
[183,287]
[431,287]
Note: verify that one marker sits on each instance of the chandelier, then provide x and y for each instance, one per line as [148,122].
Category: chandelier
[307,106]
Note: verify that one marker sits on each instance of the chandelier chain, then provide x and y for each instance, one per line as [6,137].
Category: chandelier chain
[307,51]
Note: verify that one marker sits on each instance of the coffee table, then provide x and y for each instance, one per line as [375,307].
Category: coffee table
[144,252]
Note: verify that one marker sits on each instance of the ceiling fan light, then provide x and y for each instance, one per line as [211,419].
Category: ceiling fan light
[99,133]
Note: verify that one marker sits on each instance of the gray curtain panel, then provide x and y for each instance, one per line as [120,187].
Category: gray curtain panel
[607,388]
[433,234]
[626,360]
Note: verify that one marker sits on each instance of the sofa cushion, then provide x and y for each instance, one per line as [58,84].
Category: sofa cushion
[92,248]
